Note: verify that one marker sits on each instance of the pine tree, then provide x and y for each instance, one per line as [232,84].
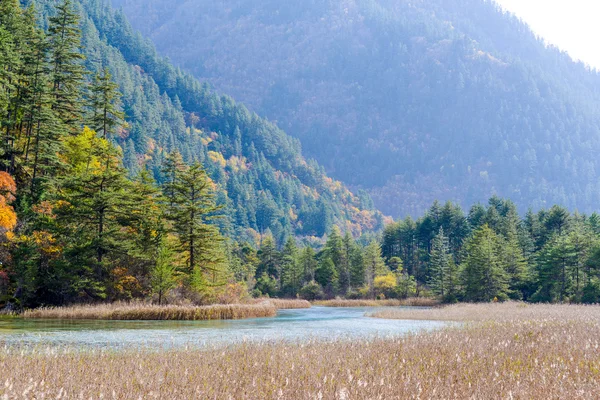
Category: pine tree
[440,260]
[66,59]
[270,259]
[94,210]
[105,105]
[291,269]
[514,263]
[326,276]
[308,263]
[14,33]
[192,217]
[145,223]
[482,275]
[172,167]
[374,265]
[163,275]
[335,251]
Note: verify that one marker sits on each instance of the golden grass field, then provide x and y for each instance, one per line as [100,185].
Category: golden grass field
[514,352]
[412,302]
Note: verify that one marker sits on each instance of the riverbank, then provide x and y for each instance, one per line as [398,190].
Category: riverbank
[552,355]
[410,302]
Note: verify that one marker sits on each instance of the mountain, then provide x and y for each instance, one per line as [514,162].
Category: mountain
[264,182]
[412,100]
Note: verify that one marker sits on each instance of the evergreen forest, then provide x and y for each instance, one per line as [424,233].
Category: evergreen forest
[123,177]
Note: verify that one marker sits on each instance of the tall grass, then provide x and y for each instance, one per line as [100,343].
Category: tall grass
[509,311]
[142,311]
[554,356]
[412,302]
[289,304]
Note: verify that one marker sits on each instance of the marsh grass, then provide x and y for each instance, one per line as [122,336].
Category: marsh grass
[508,311]
[410,302]
[143,311]
[289,304]
[556,355]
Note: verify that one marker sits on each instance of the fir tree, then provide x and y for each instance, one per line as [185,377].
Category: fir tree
[374,265]
[95,204]
[483,278]
[192,217]
[439,264]
[291,269]
[105,105]
[308,263]
[163,274]
[67,71]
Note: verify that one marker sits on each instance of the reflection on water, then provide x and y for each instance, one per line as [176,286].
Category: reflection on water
[295,325]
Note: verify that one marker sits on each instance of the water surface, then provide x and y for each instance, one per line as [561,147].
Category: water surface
[292,325]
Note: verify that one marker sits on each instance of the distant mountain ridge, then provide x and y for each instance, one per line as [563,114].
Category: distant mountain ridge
[411,100]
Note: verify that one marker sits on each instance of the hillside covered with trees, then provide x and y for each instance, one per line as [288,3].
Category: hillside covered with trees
[113,186]
[411,100]
[110,189]
[264,183]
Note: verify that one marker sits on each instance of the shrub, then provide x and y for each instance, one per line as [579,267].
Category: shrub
[267,285]
[385,286]
[311,291]
[591,294]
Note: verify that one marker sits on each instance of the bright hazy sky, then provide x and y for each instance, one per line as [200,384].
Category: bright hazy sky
[571,25]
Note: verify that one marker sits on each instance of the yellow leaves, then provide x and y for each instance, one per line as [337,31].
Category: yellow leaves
[46,243]
[217,158]
[292,215]
[8,217]
[126,285]
[385,282]
[237,164]
[80,151]
[8,188]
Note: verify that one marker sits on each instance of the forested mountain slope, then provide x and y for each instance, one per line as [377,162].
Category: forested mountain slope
[264,181]
[412,100]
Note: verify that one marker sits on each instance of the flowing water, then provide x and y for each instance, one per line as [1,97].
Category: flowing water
[293,325]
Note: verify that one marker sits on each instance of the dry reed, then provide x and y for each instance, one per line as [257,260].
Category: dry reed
[509,311]
[410,302]
[554,356]
[289,304]
[141,311]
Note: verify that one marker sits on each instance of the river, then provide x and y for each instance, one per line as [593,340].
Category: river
[292,325]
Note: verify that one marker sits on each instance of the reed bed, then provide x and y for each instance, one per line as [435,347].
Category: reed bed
[553,357]
[410,302]
[141,311]
[510,311]
[289,304]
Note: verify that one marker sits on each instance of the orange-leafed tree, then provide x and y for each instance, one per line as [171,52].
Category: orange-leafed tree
[8,217]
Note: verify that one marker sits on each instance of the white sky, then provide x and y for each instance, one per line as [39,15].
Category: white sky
[571,25]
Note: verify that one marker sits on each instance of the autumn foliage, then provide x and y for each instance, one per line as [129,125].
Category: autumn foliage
[8,188]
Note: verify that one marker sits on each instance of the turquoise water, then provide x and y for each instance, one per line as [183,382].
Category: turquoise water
[292,325]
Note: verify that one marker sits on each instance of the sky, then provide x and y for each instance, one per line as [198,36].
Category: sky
[571,25]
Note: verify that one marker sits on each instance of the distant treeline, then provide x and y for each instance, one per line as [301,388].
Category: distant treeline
[549,256]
